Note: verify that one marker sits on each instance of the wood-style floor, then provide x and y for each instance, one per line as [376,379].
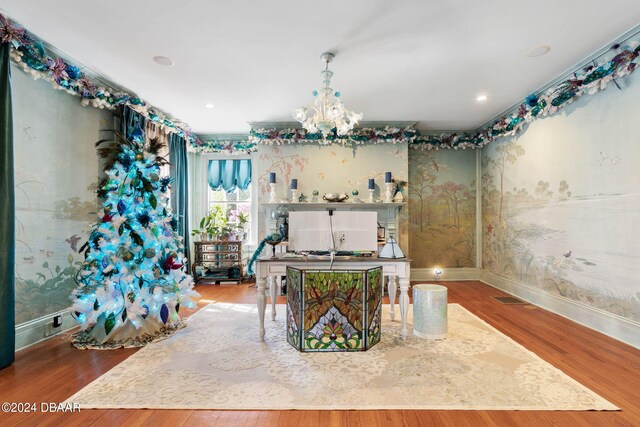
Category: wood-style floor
[53,370]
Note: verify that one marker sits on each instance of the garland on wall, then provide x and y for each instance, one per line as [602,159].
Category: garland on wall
[355,137]
[231,147]
[589,80]
[30,54]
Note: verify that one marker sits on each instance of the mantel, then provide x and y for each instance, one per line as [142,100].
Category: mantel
[345,205]
[387,213]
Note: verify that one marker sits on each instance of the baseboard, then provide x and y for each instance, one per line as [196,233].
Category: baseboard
[447,274]
[620,328]
[37,330]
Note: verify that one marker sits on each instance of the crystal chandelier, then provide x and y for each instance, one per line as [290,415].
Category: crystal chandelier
[327,111]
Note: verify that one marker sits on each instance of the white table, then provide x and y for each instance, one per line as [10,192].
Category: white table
[391,268]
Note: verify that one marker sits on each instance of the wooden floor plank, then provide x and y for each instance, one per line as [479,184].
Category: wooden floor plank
[54,370]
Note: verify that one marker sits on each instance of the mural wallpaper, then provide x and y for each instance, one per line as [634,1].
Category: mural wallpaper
[56,170]
[561,203]
[332,169]
[442,208]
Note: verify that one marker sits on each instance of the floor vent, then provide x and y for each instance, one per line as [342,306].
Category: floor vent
[509,300]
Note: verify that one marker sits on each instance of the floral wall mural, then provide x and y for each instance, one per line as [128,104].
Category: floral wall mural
[56,169]
[332,169]
[561,204]
[442,208]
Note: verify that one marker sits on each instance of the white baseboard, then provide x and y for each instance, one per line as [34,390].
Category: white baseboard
[447,274]
[620,328]
[37,330]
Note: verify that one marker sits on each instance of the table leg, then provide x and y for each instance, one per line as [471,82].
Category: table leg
[404,303]
[261,283]
[391,289]
[274,293]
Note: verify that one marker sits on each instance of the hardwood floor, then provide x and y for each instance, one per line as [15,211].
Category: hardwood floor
[53,370]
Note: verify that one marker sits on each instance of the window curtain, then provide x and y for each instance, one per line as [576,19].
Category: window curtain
[179,171]
[132,124]
[154,131]
[229,174]
[7,213]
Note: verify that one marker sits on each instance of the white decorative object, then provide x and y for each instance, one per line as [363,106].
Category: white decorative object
[294,196]
[430,311]
[388,194]
[371,195]
[391,249]
[398,198]
[345,230]
[327,111]
[335,197]
[273,197]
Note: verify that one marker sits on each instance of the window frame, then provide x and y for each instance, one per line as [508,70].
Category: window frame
[253,212]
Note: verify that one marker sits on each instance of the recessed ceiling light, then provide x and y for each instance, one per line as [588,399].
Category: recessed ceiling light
[538,51]
[163,60]
[208,105]
[481,98]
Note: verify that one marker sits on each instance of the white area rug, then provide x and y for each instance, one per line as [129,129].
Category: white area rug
[217,362]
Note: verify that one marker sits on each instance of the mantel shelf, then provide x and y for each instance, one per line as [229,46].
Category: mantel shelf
[338,205]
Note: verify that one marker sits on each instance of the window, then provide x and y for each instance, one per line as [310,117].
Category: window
[229,188]
[233,204]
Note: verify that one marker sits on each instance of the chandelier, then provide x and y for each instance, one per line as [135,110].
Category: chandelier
[327,111]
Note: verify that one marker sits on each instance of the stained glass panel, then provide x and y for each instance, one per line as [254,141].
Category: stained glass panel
[334,310]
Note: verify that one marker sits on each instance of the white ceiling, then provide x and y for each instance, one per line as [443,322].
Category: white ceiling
[406,60]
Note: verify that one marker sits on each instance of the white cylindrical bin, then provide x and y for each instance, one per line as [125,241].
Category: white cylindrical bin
[430,311]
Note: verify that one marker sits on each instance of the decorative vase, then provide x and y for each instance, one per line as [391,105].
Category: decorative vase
[283,227]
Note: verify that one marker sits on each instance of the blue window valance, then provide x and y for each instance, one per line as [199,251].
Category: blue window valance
[229,174]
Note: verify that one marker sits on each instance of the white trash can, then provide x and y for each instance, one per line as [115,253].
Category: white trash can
[430,311]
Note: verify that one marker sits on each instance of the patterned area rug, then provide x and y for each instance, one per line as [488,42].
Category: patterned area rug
[217,362]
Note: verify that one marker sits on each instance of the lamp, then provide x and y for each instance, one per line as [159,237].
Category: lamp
[327,111]
[391,249]
[437,272]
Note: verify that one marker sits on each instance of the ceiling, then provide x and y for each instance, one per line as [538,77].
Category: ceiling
[407,60]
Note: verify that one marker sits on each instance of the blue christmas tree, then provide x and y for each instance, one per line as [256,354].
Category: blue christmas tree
[133,280]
